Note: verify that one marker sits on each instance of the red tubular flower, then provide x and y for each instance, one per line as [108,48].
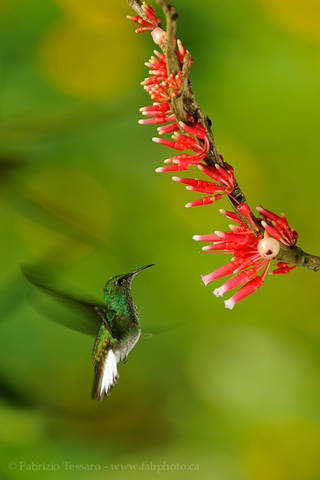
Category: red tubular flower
[278,227]
[282,267]
[199,146]
[223,184]
[146,25]
[250,253]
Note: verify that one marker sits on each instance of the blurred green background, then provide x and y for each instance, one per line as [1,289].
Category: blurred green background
[226,395]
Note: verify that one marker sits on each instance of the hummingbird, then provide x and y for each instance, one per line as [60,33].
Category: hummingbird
[115,325]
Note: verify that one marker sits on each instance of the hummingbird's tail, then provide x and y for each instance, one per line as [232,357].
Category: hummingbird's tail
[105,375]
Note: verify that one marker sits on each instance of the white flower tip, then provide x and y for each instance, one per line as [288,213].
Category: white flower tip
[204,280]
[221,210]
[229,303]
[259,209]
[218,292]
[158,170]
[140,122]
[176,179]
[156,139]
[219,233]
[188,205]
[206,248]
[196,237]
[188,187]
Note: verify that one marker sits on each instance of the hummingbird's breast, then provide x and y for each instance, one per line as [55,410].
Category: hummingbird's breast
[126,344]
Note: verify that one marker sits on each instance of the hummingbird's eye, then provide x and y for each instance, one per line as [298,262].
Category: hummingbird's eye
[120,282]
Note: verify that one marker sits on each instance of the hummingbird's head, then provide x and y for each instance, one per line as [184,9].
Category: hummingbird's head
[118,288]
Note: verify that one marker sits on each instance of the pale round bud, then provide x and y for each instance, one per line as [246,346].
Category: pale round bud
[158,36]
[268,247]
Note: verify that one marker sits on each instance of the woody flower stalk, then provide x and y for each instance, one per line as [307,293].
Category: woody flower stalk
[253,241]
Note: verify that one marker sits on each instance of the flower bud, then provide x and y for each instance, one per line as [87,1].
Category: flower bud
[268,247]
[158,36]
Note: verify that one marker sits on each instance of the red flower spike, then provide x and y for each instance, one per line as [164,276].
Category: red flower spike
[250,252]
[161,88]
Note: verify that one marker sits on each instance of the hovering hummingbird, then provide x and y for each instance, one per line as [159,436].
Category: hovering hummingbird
[115,325]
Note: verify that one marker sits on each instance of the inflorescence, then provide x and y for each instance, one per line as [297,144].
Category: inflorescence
[252,249]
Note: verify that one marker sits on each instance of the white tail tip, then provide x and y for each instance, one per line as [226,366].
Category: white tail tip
[110,373]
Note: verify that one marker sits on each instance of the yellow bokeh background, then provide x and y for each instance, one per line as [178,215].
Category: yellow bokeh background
[301,17]
[89,52]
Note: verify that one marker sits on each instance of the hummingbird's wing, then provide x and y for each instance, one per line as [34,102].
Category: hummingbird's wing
[82,315]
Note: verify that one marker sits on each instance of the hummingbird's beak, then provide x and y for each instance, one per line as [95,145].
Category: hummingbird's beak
[133,274]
